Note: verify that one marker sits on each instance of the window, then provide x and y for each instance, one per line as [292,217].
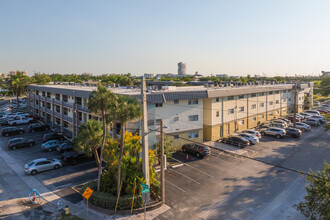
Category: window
[77,100]
[49,106]
[65,111]
[254,106]
[284,100]
[231,111]
[230,97]
[261,94]
[58,109]
[254,118]
[217,114]
[193,134]
[277,92]
[158,121]
[193,117]
[57,96]
[65,98]
[48,95]
[262,104]
[284,91]
[261,116]
[176,101]
[79,116]
[271,103]
[58,121]
[253,95]
[241,96]
[159,105]
[176,136]
[289,99]
[66,124]
[43,103]
[43,94]
[37,102]
[37,92]
[277,101]
[151,122]
[241,109]
[176,118]
[270,113]
[270,93]
[217,99]
[193,102]
[241,122]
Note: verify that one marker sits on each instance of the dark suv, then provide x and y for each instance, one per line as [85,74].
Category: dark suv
[20,142]
[53,136]
[236,141]
[12,131]
[38,127]
[198,150]
[74,158]
[293,132]
[67,146]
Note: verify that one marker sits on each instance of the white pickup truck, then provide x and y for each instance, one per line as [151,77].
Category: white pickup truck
[19,120]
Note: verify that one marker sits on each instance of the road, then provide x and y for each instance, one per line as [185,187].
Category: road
[223,187]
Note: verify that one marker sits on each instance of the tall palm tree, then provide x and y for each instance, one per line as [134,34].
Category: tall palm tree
[128,109]
[102,101]
[89,139]
[17,85]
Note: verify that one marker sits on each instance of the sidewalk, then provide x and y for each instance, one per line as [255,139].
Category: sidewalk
[23,183]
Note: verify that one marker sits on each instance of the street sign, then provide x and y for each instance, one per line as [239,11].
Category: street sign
[88,192]
[145,188]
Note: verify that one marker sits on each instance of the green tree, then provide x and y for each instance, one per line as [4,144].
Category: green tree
[128,109]
[41,79]
[102,101]
[316,204]
[17,85]
[167,149]
[89,139]
[325,85]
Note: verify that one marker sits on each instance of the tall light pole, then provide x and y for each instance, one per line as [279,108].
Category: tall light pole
[145,142]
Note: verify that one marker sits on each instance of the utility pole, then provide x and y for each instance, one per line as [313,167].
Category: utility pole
[295,103]
[162,174]
[145,143]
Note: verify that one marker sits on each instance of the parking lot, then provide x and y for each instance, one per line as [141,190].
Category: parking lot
[226,187]
[64,180]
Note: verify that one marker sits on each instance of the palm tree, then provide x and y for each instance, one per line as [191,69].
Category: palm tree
[89,139]
[17,85]
[128,109]
[102,100]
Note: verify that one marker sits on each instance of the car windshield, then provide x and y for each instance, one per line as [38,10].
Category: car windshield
[30,163]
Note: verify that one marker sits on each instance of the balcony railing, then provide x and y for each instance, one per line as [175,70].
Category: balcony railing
[82,108]
[57,101]
[57,114]
[68,105]
[49,111]
[42,108]
[68,119]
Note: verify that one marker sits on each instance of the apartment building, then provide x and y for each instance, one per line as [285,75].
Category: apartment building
[194,113]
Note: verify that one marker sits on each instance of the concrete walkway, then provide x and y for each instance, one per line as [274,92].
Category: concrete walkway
[15,186]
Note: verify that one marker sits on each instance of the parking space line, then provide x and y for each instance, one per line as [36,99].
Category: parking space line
[184,176]
[221,159]
[174,185]
[193,167]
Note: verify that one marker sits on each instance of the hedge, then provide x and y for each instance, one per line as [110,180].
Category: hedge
[108,201]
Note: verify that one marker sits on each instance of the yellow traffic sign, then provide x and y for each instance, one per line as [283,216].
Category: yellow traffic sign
[88,192]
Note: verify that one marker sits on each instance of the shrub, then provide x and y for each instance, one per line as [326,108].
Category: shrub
[155,190]
[107,201]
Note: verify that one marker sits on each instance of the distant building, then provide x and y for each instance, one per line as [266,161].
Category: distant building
[14,73]
[197,75]
[148,75]
[325,73]
[222,75]
[181,68]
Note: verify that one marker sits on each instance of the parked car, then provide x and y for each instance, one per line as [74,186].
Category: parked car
[285,120]
[53,136]
[291,118]
[38,127]
[67,146]
[319,117]
[251,138]
[312,112]
[253,132]
[50,145]
[3,121]
[277,132]
[278,121]
[74,158]
[198,150]
[12,131]
[20,142]
[236,141]
[312,122]
[277,125]
[306,115]
[302,126]
[42,164]
[293,132]
[19,120]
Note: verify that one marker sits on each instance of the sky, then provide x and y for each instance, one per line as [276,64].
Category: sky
[234,37]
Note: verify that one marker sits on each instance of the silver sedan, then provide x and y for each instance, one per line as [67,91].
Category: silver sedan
[42,164]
